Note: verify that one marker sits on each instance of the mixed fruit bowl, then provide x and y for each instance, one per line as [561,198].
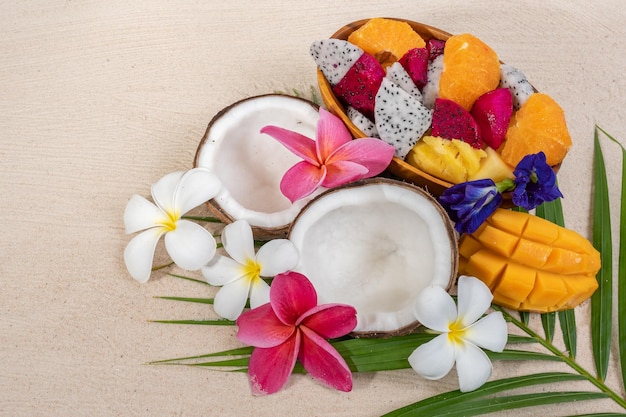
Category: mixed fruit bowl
[452,110]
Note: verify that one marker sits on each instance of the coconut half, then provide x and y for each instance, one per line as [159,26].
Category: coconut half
[375,244]
[251,165]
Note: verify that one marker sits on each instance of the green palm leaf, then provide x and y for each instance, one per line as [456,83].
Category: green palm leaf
[457,400]
[621,274]
[602,299]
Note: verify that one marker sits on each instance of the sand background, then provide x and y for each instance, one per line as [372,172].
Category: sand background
[100,99]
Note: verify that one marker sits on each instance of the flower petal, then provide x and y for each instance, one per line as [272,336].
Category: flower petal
[292,295]
[190,245]
[490,332]
[343,172]
[238,241]
[472,366]
[301,180]
[139,253]
[297,143]
[141,214]
[259,293]
[221,270]
[470,203]
[474,298]
[433,360]
[277,256]
[330,320]
[270,368]
[435,308]
[374,154]
[331,134]
[163,191]
[323,362]
[231,299]
[196,187]
[261,328]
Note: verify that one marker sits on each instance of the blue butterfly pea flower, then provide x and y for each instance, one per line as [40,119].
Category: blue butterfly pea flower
[535,182]
[470,203]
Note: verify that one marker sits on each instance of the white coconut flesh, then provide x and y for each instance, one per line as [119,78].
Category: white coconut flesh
[250,164]
[375,246]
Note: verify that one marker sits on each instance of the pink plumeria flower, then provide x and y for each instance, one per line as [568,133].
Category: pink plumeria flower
[293,327]
[463,333]
[333,159]
[241,275]
[189,245]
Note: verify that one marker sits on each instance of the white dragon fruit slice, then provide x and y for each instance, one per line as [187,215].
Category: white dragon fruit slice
[431,89]
[334,57]
[401,120]
[364,124]
[402,79]
[517,83]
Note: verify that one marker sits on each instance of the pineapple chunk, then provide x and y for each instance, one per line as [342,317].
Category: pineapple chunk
[492,166]
[450,160]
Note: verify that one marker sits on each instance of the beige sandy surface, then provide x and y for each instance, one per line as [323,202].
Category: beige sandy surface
[98,99]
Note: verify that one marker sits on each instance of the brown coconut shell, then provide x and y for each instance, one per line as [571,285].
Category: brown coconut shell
[262,233]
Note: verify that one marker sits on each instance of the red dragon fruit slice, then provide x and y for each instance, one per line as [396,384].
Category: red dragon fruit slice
[334,57]
[401,120]
[431,89]
[492,112]
[359,86]
[397,74]
[415,62]
[364,124]
[517,83]
[435,48]
[452,121]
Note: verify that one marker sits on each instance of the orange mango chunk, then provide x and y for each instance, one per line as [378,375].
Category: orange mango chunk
[527,306]
[579,288]
[386,39]
[533,254]
[516,282]
[468,245]
[504,301]
[530,264]
[486,265]
[549,290]
[498,240]
[510,221]
[565,262]
[539,230]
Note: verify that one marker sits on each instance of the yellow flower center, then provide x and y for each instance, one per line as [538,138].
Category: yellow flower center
[252,270]
[170,222]
[456,333]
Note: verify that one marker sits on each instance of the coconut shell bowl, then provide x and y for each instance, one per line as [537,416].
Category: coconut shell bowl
[398,168]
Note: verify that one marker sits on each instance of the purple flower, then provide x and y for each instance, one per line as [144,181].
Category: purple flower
[535,182]
[470,203]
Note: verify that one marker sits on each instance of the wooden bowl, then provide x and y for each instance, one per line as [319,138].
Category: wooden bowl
[398,167]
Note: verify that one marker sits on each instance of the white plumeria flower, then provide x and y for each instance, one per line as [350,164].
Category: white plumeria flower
[240,277]
[462,336]
[189,245]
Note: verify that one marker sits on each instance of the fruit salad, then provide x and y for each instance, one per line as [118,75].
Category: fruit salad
[445,102]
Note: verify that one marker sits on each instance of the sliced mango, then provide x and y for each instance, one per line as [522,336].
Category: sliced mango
[470,246]
[548,291]
[486,264]
[529,263]
[516,282]
[531,253]
[498,240]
